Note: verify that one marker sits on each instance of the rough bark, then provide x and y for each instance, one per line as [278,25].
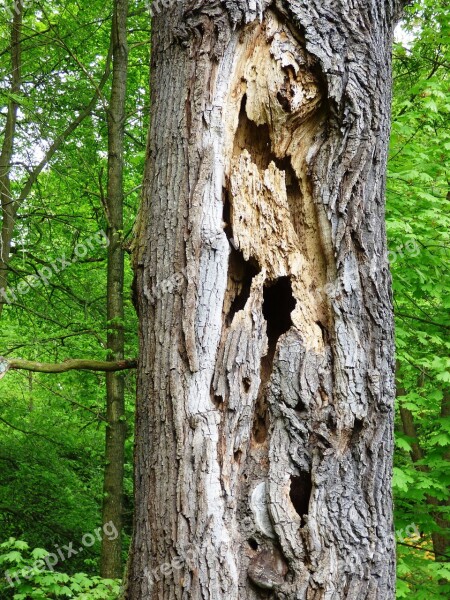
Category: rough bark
[111,551]
[265,379]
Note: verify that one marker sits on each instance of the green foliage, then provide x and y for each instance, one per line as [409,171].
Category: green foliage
[418,225]
[52,428]
[26,576]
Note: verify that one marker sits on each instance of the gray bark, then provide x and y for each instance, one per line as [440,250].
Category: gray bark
[265,380]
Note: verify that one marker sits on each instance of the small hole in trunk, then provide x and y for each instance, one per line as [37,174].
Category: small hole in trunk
[277,307]
[300,494]
[300,407]
[241,271]
[253,544]
[278,304]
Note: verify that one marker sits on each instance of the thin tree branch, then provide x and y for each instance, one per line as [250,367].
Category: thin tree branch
[405,316]
[68,365]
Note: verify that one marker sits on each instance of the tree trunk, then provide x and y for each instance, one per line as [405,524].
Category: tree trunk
[111,551]
[438,508]
[6,154]
[266,372]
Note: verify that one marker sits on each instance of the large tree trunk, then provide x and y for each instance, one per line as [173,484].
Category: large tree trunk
[111,552]
[265,384]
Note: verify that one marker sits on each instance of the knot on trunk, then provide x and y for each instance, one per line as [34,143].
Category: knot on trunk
[268,569]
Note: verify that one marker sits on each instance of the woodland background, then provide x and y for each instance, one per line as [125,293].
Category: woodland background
[52,427]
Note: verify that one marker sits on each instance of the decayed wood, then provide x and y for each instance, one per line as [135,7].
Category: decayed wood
[265,382]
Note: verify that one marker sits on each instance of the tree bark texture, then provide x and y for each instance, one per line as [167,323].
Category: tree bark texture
[265,378]
[111,551]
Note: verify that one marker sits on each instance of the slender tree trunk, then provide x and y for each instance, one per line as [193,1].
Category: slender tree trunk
[265,385]
[7,203]
[440,539]
[111,553]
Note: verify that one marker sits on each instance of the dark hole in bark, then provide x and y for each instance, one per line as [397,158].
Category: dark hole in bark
[253,138]
[253,544]
[300,494]
[261,418]
[331,421]
[247,383]
[237,455]
[218,401]
[241,271]
[356,242]
[358,426]
[277,307]
[300,407]
[226,215]
[283,100]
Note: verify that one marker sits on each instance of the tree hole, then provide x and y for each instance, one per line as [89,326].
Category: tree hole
[358,426]
[253,544]
[253,138]
[240,276]
[226,214]
[300,407]
[217,400]
[260,428]
[278,305]
[300,494]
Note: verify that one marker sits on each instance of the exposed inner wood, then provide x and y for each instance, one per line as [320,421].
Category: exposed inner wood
[277,264]
[274,114]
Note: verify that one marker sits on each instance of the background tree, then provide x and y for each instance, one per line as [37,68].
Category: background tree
[7,149]
[58,426]
[116,431]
